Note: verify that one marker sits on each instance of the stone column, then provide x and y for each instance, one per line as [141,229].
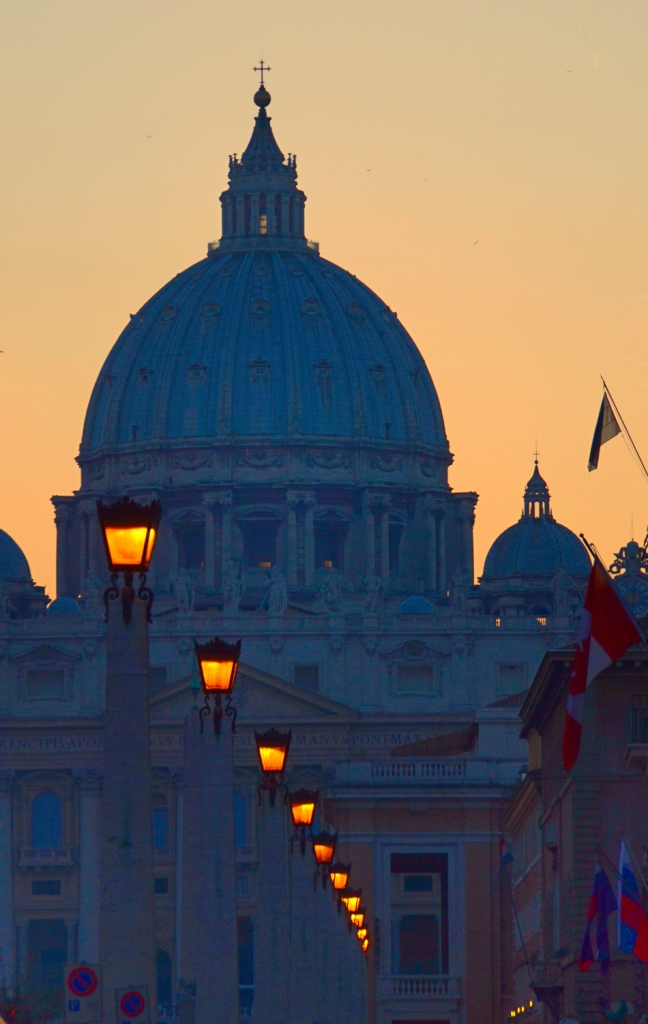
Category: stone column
[309,539]
[209,941]
[225,501]
[369,532]
[6,896]
[240,215]
[89,783]
[441,547]
[270,213]
[22,950]
[431,544]
[254,213]
[292,501]
[127,931]
[62,520]
[210,547]
[384,539]
[71,926]
[177,774]
[271,973]
[310,926]
[467,519]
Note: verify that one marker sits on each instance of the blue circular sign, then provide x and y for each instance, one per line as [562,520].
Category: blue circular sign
[82,981]
[132,1004]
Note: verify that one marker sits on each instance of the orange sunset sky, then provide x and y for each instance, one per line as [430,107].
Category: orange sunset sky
[481,164]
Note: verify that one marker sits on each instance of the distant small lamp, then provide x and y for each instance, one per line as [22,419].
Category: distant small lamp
[302,807]
[272,747]
[323,850]
[357,919]
[362,933]
[129,530]
[339,875]
[218,663]
[365,944]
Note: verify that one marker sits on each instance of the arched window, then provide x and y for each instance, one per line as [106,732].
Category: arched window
[46,821]
[160,821]
[164,979]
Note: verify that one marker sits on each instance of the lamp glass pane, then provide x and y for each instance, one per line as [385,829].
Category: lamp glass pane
[365,945]
[339,879]
[126,544]
[272,758]
[323,853]
[217,675]
[357,919]
[361,933]
[302,813]
[352,903]
[150,546]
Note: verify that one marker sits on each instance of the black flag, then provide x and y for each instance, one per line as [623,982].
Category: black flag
[606,428]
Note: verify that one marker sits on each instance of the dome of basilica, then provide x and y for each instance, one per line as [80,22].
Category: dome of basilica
[536,545]
[263,339]
[13,564]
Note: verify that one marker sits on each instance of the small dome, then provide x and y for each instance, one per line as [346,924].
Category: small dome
[13,564]
[64,606]
[416,605]
[537,545]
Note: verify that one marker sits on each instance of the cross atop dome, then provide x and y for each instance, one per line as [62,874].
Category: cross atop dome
[263,69]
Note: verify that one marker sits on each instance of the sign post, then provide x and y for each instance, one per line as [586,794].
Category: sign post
[133,1005]
[83,1001]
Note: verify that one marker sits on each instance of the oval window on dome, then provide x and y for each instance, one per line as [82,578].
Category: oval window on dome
[260,309]
[356,312]
[310,308]
[169,313]
[210,310]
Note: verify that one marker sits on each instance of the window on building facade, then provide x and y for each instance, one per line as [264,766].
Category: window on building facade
[46,821]
[306,676]
[164,979]
[47,952]
[46,887]
[419,913]
[191,544]
[245,935]
[161,886]
[510,678]
[160,821]
[263,224]
[46,683]
[638,718]
[240,818]
[415,679]
[328,548]
[260,541]
[395,534]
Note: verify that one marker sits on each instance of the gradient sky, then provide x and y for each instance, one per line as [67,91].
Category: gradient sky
[481,164]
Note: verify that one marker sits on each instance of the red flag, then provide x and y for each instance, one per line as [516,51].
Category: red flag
[606,631]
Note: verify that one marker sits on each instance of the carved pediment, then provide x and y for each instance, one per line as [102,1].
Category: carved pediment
[414,650]
[44,656]
[259,698]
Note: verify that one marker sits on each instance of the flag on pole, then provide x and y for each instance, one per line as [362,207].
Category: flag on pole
[606,428]
[606,631]
[602,903]
[632,924]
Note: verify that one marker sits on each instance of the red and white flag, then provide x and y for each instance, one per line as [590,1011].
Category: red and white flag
[606,631]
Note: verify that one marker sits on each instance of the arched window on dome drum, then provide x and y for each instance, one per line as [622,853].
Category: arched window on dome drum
[190,537]
[46,821]
[330,533]
[259,531]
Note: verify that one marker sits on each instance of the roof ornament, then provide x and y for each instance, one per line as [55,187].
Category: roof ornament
[536,496]
[262,97]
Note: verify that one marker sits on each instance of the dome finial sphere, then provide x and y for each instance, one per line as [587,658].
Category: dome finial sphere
[262,97]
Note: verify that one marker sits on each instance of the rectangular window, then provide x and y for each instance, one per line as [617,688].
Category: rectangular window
[46,887]
[263,224]
[261,546]
[419,913]
[327,547]
[307,676]
[245,936]
[415,679]
[510,678]
[638,715]
[161,886]
[46,683]
[191,537]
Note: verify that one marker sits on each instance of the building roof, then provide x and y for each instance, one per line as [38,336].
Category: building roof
[263,339]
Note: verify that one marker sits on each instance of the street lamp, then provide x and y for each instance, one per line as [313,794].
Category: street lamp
[362,934]
[323,851]
[365,945]
[218,663]
[129,530]
[351,899]
[302,807]
[339,875]
[272,747]
[357,919]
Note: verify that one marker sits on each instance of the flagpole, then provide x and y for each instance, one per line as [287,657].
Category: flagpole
[635,861]
[517,921]
[626,433]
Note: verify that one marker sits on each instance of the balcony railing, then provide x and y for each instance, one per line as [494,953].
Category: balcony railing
[59,856]
[418,770]
[421,986]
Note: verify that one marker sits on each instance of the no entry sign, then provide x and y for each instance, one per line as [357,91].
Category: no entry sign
[133,1005]
[82,1000]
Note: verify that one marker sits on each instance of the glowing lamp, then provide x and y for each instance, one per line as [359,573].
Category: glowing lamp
[273,747]
[324,847]
[339,875]
[351,899]
[218,662]
[357,919]
[362,933]
[302,807]
[129,531]
[365,944]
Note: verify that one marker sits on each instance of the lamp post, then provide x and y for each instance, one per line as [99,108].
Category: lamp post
[127,927]
[272,748]
[339,875]
[302,807]
[218,664]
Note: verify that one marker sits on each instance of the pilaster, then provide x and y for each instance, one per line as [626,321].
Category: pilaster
[89,785]
[6,898]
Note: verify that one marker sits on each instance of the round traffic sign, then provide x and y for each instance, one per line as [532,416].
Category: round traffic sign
[82,981]
[132,1004]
